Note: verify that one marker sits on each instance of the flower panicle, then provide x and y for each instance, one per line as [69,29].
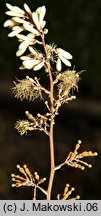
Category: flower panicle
[67,83]
[40,122]
[59,56]
[28,89]
[35,60]
[22,126]
[26,21]
[25,16]
[26,178]
[67,192]
[74,158]
[68,80]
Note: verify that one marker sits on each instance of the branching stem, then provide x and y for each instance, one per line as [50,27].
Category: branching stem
[52,159]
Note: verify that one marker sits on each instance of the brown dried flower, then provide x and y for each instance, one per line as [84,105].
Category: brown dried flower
[67,193]
[26,178]
[40,122]
[67,80]
[74,158]
[23,126]
[29,89]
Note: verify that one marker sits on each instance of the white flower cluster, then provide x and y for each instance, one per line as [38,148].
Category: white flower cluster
[33,23]
[23,17]
[25,20]
[35,60]
[60,56]
[27,88]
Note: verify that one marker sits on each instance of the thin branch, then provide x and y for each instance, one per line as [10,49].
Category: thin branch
[44,191]
[45,90]
[59,166]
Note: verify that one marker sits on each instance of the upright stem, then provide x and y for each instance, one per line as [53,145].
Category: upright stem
[52,171]
[52,159]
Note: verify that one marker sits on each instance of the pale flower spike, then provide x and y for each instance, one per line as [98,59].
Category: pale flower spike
[28,27]
[20,16]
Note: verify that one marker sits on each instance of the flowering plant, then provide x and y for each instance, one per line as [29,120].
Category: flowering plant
[29,28]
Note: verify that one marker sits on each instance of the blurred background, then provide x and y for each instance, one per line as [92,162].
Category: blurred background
[76,27]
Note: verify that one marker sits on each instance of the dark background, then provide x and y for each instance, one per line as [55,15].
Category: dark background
[75,26]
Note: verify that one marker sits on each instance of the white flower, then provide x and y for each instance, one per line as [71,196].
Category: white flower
[35,64]
[19,10]
[39,66]
[33,51]
[23,49]
[25,42]
[41,11]
[9,23]
[58,64]
[19,20]
[34,61]
[23,37]
[30,28]
[23,58]
[16,30]
[38,17]
[62,56]
[64,53]
[27,9]
[14,11]
[30,63]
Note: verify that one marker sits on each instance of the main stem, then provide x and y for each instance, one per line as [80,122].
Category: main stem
[52,171]
[52,158]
